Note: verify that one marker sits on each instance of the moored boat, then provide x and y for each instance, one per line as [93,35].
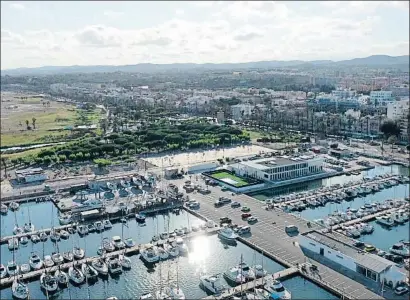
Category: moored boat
[19,290]
[48,283]
[76,275]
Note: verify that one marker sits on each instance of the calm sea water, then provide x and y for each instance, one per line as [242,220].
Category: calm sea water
[207,255]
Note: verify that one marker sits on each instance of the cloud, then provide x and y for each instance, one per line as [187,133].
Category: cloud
[113,14]
[99,36]
[179,12]
[18,6]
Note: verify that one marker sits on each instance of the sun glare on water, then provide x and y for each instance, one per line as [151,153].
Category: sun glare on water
[199,252]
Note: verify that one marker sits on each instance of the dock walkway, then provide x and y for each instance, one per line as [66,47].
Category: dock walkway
[255,283]
[133,250]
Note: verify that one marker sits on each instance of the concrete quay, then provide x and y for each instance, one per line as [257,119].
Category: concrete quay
[268,236]
[281,275]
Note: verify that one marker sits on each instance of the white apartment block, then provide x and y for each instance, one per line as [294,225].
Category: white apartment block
[381,98]
[241,111]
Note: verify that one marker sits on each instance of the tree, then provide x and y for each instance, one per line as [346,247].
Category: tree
[390,128]
[102,162]
[392,140]
[34,122]
[27,122]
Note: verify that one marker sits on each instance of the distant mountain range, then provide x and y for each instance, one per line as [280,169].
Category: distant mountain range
[371,61]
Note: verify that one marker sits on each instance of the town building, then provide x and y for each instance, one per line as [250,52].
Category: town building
[276,169]
[31,175]
[381,98]
[399,111]
[339,254]
[241,111]
[220,117]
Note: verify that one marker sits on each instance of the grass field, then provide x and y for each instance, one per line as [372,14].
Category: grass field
[225,175]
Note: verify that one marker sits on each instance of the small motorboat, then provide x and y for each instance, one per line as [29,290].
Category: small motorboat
[82,230]
[54,236]
[64,234]
[35,262]
[400,249]
[172,250]
[19,290]
[140,218]
[124,261]
[107,224]
[48,261]
[117,242]
[114,266]
[48,282]
[163,255]
[78,253]
[24,240]
[25,268]
[91,228]
[277,290]
[75,275]
[28,227]
[259,271]
[212,284]
[68,256]
[99,226]
[100,266]
[3,271]
[164,236]
[182,247]
[71,230]
[155,238]
[18,230]
[13,244]
[62,277]
[64,219]
[43,236]
[14,206]
[57,258]
[107,245]
[89,272]
[35,238]
[4,209]
[227,234]
[12,268]
[129,242]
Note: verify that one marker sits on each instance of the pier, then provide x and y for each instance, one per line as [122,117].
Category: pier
[250,285]
[370,217]
[319,194]
[268,236]
[130,251]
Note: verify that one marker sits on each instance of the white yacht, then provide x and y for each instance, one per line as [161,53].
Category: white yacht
[23,240]
[78,253]
[17,230]
[62,277]
[107,245]
[89,272]
[99,226]
[212,283]
[162,253]
[172,250]
[175,292]
[100,266]
[182,247]
[64,219]
[235,275]
[13,244]
[43,237]
[82,229]
[129,243]
[118,243]
[107,224]
[48,282]
[54,235]
[277,290]
[385,220]
[352,232]
[12,268]
[4,209]
[114,266]
[150,254]
[19,290]
[35,262]
[48,261]
[25,268]
[14,206]
[76,275]
[68,256]
[227,234]
[246,271]
[259,271]
[28,227]
[125,262]
[400,249]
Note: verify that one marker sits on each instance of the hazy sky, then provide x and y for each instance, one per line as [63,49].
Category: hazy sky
[116,33]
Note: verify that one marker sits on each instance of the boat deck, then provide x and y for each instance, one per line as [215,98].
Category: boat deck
[255,283]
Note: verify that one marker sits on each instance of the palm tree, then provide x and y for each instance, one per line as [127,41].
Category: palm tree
[34,122]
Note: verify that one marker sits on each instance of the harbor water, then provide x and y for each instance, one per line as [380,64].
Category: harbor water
[207,255]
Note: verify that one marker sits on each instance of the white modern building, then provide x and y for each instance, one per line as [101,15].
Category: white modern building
[399,111]
[241,111]
[31,175]
[343,93]
[381,98]
[332,249]
[276,169]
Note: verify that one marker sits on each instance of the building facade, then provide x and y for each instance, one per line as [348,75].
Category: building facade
[31,175]
[279,168]
[381,98]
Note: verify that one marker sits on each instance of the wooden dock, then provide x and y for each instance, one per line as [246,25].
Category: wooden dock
[5,239]
[354,185]
[370,217]
[129,251]
[255,283]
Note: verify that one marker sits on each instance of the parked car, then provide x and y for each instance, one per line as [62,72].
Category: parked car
[235,204]
[245,209]
[246,215]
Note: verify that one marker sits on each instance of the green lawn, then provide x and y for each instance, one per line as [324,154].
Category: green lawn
[223,175]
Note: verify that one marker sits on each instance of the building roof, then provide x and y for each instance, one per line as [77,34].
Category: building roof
[271,162]
[369,261]
[31,171]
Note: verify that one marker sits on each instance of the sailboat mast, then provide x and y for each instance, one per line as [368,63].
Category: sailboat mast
[241,274]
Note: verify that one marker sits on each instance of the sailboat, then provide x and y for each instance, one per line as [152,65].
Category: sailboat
[48,283]
[173,290]
[20,290]
[17,230]
[75,275]
[28,227]
[62,277]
